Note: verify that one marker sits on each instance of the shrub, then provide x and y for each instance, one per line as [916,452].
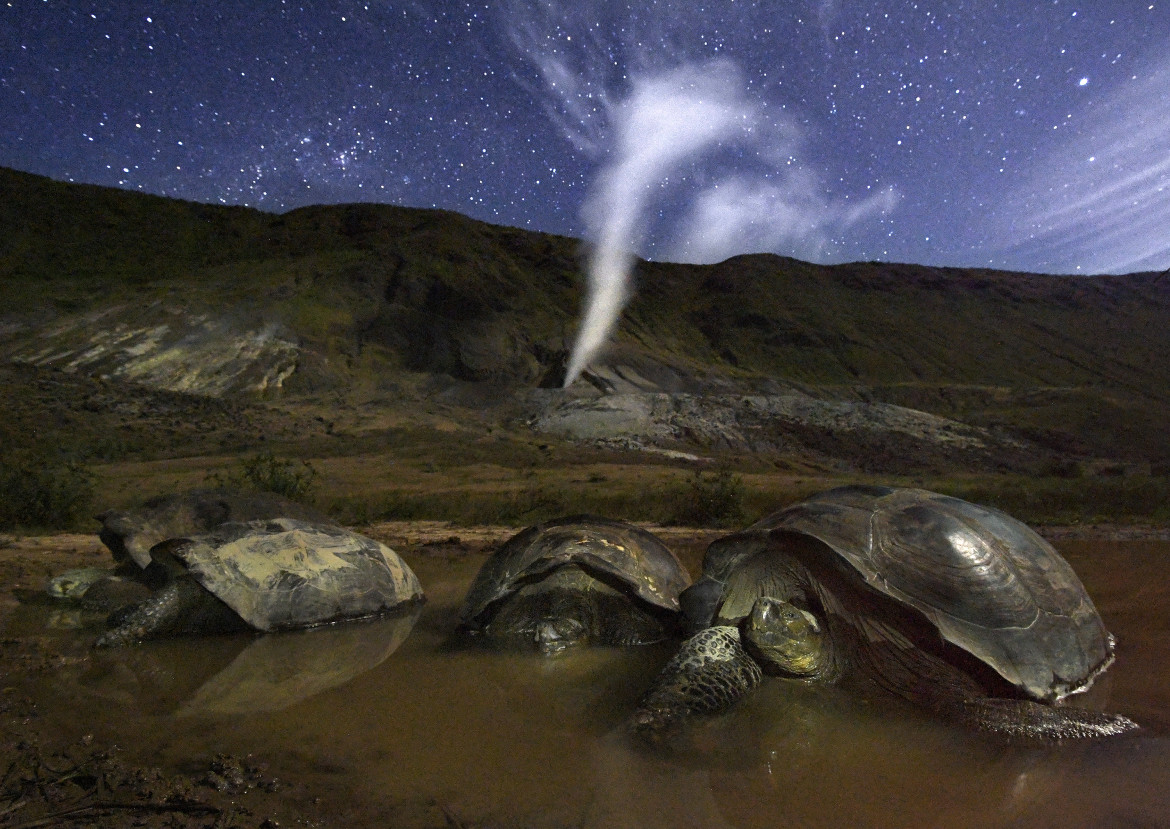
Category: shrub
[267,473]
[44,491]
[1060,468]
[714,499]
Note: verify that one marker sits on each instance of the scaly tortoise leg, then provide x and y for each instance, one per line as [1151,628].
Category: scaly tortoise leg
[708,674]
[179,607]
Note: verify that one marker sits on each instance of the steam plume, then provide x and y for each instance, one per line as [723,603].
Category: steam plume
[681,116]
[665,121]
[685,143]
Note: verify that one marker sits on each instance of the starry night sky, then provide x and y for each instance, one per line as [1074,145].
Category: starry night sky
[1022,135]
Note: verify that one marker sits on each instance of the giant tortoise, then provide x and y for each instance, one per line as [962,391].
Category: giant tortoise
[130,534]
[576,579]
[266,575]
[956,607]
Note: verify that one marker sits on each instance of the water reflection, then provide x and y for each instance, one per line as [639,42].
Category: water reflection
[277,671]
[222,676]
[519,739]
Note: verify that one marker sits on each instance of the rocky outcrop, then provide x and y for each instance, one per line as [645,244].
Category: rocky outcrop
[164,349]
[880,436]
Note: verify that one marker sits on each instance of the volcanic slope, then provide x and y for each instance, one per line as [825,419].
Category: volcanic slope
[357,308]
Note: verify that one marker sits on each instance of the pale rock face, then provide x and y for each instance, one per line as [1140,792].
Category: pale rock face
[166,349]
[636,414]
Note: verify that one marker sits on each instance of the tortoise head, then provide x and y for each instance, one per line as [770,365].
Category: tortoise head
[784,639]
[558,633]
[72,584]
[552,612]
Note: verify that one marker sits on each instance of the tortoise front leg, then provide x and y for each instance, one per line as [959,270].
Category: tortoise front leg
[929,681]
[180,607]
[708,674]
[1036,721]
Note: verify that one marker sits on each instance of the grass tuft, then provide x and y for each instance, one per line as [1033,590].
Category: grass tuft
[43,490]
[265,472]
[714,499]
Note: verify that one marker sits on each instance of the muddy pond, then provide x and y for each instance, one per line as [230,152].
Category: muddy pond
[393,717]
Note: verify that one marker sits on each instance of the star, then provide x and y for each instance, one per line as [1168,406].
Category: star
[867,128]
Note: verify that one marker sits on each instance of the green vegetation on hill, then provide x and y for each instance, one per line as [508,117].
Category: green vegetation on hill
[441,293]
[418,319]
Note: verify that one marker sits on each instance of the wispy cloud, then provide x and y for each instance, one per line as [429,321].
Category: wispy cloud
[792,215]
[1099,202]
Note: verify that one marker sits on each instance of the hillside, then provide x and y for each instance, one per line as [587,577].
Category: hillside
[363,318]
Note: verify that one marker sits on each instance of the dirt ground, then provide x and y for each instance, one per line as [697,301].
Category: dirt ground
[54,774]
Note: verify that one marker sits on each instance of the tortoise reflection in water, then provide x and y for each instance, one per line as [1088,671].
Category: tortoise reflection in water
[573,580]
[266,575]
[956,607]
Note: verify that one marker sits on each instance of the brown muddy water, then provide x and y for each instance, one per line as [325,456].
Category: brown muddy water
[394,713]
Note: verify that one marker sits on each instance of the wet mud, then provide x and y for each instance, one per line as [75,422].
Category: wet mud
[394,722]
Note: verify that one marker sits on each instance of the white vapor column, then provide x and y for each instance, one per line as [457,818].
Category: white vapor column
[664,122]
[696,162]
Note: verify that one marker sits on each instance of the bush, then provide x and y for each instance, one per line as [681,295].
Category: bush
[43,491]
[1060,468]
[267,473]
[713,499]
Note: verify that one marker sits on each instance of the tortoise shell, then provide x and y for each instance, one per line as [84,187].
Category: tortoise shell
[624,555]
[283,573]
[129,534]
[987,582]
